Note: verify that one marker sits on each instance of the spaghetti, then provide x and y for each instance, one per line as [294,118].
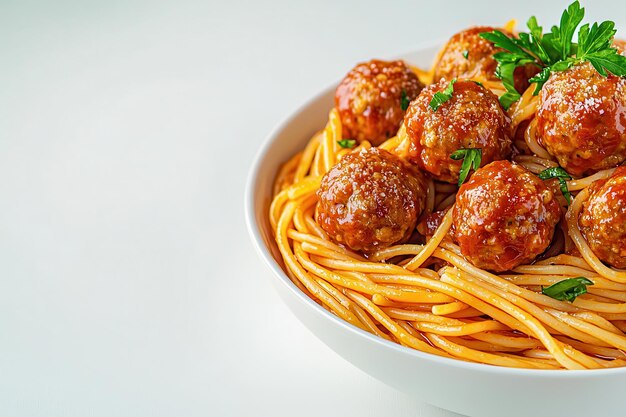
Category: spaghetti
[429,296]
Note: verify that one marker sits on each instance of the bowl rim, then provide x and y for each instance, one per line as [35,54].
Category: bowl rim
[264,253]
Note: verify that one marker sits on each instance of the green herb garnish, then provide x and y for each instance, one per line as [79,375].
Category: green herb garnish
[471,159]
[560,174]
[404,100]
[346,143]
[441,97]
[568,289]
[465,54]
[555,51]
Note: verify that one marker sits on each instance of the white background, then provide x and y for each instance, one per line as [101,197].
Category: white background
[128,286]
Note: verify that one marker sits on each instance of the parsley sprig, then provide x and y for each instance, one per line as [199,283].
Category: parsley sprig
[560,174]
[441,97]
[404,100]
[471,159]
[346,143]
[555,50]
[568,289]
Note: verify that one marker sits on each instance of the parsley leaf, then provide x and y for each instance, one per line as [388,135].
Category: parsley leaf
[517,56]
[608,61]
[568,289]
[535,42]
[346,143]
[471,159]
[441,97]
[554,172]
[465,54]
[540,79]
[561,175]
[595,38]
[404,100]
[555,51]
[516,47]
[563,34]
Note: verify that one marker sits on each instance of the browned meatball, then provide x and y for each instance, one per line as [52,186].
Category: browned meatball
[472,118]
[603,219]
[581,119]
[371,199]
[428,225]
[467,55]
[504,216]
[370,99]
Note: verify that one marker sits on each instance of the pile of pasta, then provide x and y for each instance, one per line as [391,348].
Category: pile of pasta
[403,293]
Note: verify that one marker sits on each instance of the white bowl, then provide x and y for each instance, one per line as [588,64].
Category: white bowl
[462,387]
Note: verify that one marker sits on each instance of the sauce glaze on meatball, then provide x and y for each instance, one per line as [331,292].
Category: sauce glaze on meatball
[472,118]
[602,219]
[467,55]
[581,119]
[369,99]
[371,199]
[504,217]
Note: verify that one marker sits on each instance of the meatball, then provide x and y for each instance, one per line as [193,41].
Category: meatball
[471,118]
[504,217]
[372,99]
[370,200]
[581,119]
[428,225]
[467,55]
[602,219]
